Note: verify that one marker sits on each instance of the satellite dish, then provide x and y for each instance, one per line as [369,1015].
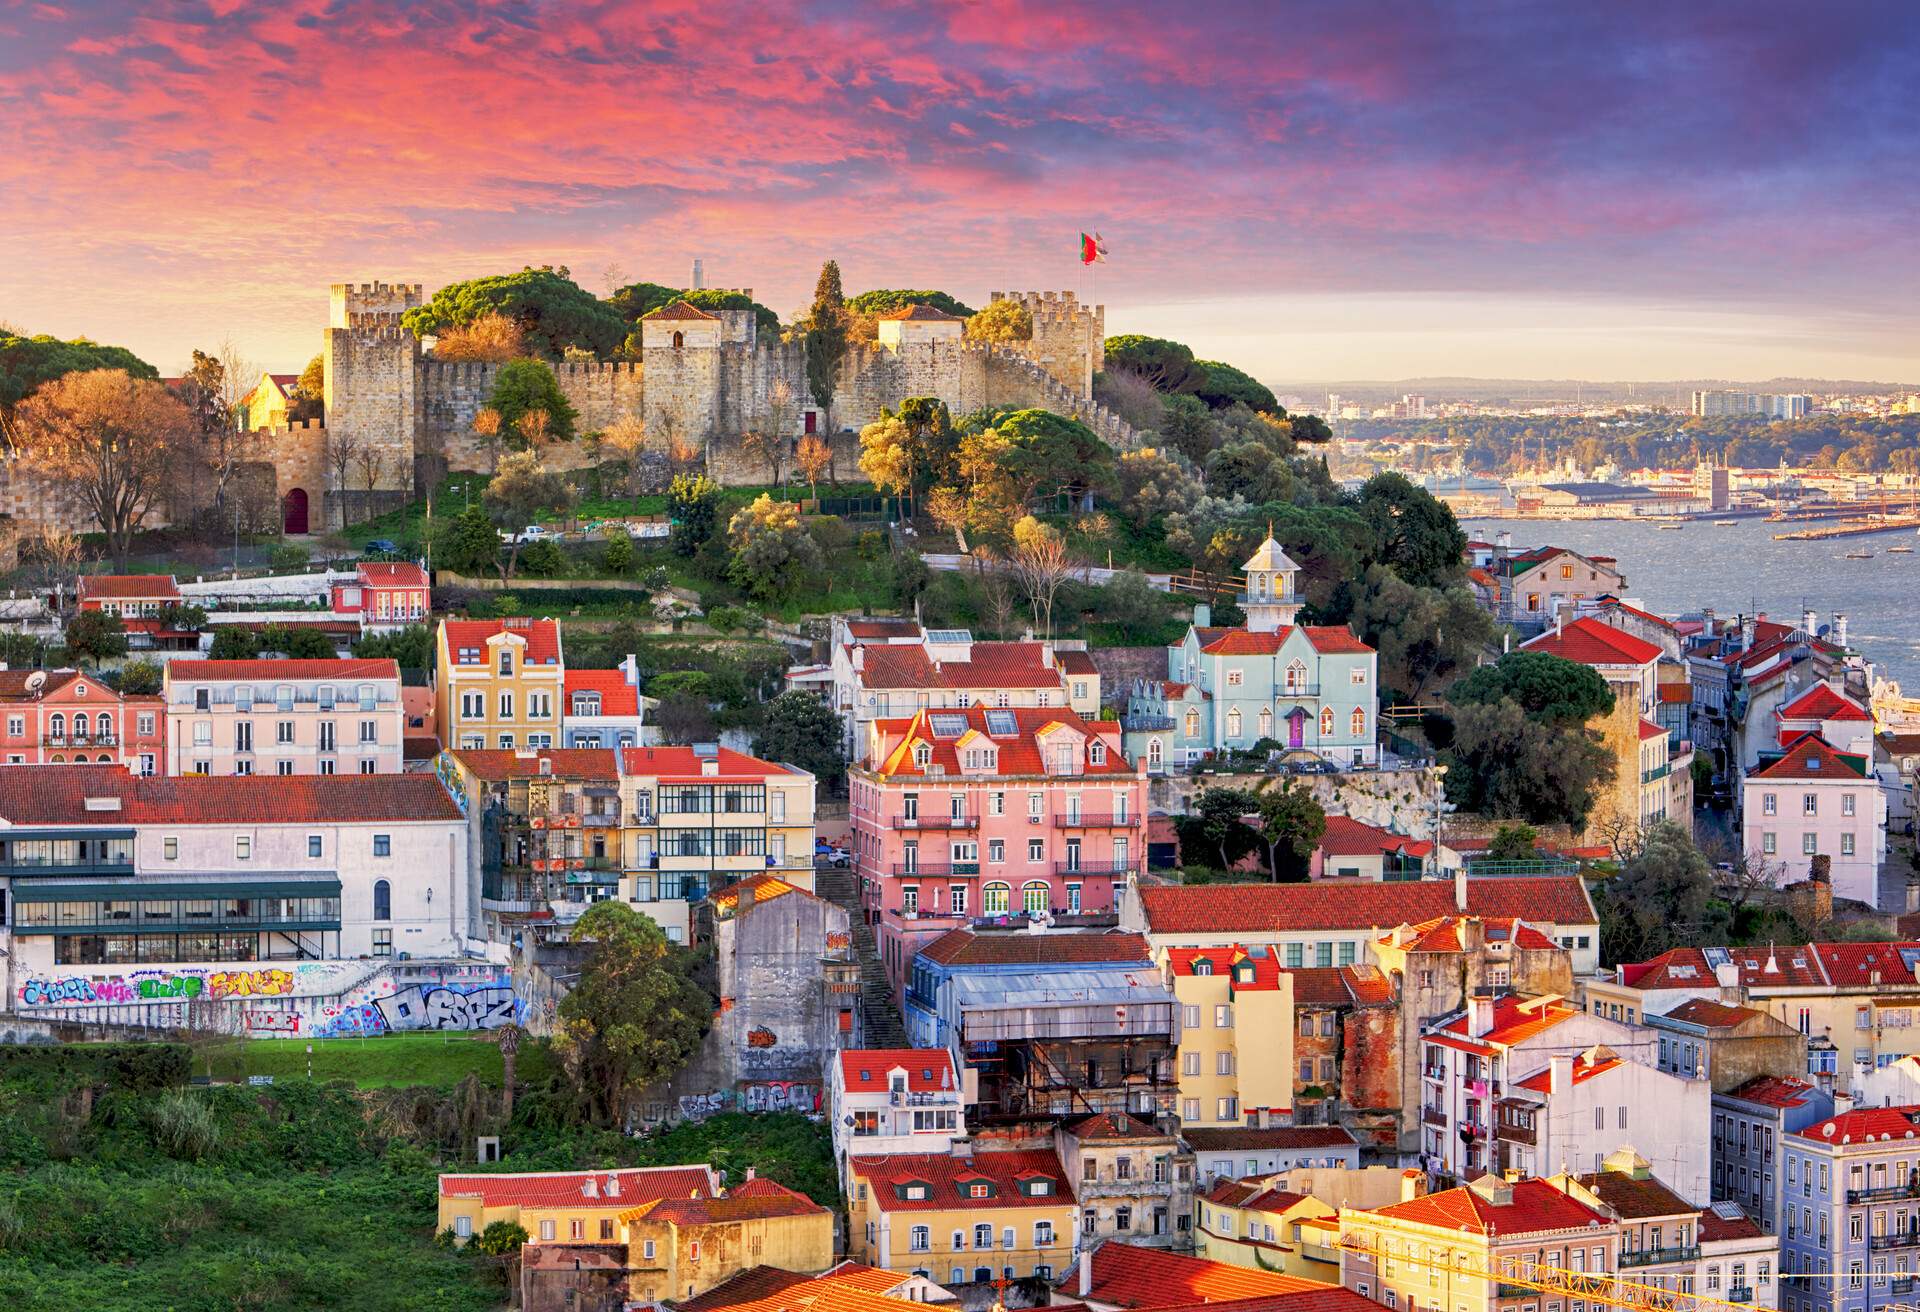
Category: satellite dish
[36,681]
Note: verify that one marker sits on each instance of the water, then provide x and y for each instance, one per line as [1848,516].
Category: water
[1739,568]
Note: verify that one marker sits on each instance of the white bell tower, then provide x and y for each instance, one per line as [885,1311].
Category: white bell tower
[1270,600]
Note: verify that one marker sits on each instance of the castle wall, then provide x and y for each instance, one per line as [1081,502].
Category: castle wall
[1069,339]
[370,367]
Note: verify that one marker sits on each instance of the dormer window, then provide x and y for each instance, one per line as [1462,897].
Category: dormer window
[506,662]
[922,755]
[1097,753]
[1202,966]
[1038,1188]
[1243,974]
[914,1192]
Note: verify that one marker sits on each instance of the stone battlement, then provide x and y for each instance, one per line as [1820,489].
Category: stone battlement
[373,323]
[453,370]
[382,290]
[293,426]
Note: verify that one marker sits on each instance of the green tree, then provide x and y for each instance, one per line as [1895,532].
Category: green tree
[826,336]
[233,644]
[1169,366]
[773,554]
[473,544]
[1252,470]
[1514,842]
[1424,636]
[523,490]
[1291,824]
[523,386]
[95,635]
[634,1017]
[1188,427]
[27,362]
[1226,386]
[297,641]
[693,506]
[310,393]
[618,557]
[544,560]
[1218,821]
[1003,321]
[887,300]
[1548,689]
[1662,898]
[1413,533]
[411,648]
[184,619]
[140,678]
[1048,455]
[637,300]
[1512,767]
[554,311]
[501,1239]
[802,730]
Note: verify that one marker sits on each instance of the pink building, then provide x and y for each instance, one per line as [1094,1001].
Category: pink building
[284,717]
[61,717]
[985,814]
[384,595]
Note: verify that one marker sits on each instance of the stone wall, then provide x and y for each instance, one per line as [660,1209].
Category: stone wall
[1069,339]
[371,363]
[1400,800]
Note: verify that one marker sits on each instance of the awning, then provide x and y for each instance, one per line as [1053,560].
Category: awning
[103,891]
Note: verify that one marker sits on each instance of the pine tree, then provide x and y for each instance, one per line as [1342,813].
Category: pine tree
[826,335]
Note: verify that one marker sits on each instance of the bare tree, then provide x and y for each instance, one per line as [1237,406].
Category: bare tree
[613,277]
[947,506]
[626,438]
[997,597]
[1042,566]
[373,463]
[763,446]
[779,421]
[533,427]
[813,457]
[486,427]
[1738,876]
[108,440]
[56,555]
[341,451]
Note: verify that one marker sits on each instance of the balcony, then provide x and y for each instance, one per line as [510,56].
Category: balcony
[1437,1073]
[927,869]
[1659,1256]
[1658,772]
[1145,723]
[1502,1290]
[1884,1194]
[1899,1239]
[1744,1293]
[600,820]
[934,822]
[1297,690]
[1433,1116]
[1095,820]
[1070,868]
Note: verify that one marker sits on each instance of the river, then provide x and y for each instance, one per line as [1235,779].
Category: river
[1739,568]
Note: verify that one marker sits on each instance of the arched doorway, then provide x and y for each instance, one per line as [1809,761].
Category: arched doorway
[294,512]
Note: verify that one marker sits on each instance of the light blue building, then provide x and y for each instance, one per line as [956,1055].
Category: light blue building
[1306,689]
[1850,1211]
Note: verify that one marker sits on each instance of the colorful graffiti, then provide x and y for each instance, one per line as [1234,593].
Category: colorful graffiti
[186,984]
[272,1022]
[421,1008]
[762,1038]
[780,1096]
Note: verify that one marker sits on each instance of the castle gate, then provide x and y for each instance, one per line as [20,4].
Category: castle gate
[293,512]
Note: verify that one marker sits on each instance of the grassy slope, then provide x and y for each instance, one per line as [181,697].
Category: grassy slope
[390,1061]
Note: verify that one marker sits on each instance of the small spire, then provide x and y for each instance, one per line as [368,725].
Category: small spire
[1269,530]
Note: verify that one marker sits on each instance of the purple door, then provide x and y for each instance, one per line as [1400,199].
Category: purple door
[1296,728]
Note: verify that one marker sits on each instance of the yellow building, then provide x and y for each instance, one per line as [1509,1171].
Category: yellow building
[961,1217]
[267,404]
[1252,1223]
[697,819]
[499,683]
[1226,993]
[564,1207]
[680,1247]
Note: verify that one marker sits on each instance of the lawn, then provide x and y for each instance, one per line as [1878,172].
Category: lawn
[387,1061]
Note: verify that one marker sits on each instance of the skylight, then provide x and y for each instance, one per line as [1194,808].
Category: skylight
[1001,724]
[950,635]
[948,725]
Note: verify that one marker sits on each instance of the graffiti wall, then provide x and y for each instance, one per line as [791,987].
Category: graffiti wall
[772,1096]
[321,999]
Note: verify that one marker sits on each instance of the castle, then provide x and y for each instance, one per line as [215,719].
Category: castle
[704,377]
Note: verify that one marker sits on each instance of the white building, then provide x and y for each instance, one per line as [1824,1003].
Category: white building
[1585,1106]
[1818,801]
[894,1100]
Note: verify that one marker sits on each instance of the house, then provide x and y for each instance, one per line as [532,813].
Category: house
[564,1207]
[1236,1032]
[1482,1240]
[1249,1223]
[144,603]
[60,717]
[1226,1153]
[1738,1260]
[682,1247]
[1841,722]
[1660,1232]
[384,595]
[572,1277]
[1535,587]
[962,1217]
[604,708]
[1850,1209]
[106,870]
[1347,1048]
[1353,849]
[498,684]
[1132,1179]
[1816,800]
[893,1100]
[1750,1124]
[283,717]
[1726,1045]
[990,814]
[266,404]
[1287,686]
[1118,1276]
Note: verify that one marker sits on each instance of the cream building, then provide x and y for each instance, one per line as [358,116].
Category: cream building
[499,684]
[283,717]
[1236,1035]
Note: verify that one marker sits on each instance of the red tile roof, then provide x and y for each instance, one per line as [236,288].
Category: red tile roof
[1339,986]
[946,1177]
[1863,1124]
[1515,1018]
[882,628]
[1283,908]
[542,636]
[1590,642]
[927,1069]
[1535,1206]
[34,795]
[1648,729]
[755,1200]
[617,696]
[918,314]
[1278,1138]
[13,684]
[1241,642]
[497,766]
[1075,662]
[1616,604]
[1811,757]
[1346,836]
[678,309]
[1714,1227]
[1676,694]
[848,1287]
[1131,1277]
[1864,965]
[1636,1198]
[391,574]
[567,1188]
[964,947]
[350,667]
[988,665]
[1318,1298]
[1224,961]
[1112,1127]
[1331,640]
[682,764]
[1774,1091]
[1443,934]
[1326,639]
[128,587]
[1821,702]
[1583,1070]
[1712,1015]
[1019,754]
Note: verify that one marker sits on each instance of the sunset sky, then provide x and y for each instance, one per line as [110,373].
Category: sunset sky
[1313,191]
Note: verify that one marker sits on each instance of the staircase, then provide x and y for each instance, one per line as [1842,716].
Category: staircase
[878,1014]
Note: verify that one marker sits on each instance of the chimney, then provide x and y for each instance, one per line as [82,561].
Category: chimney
[1460,889]
[1839,629]
[749,1174]
[613,1186]
[1473,934]
[630,670]
[1502,544]
[1413,1184]
[1559,623]
[1559,1073]
[1202,615]
[1086,1274]
[590,1187]
[1809,622]
[1479,1016]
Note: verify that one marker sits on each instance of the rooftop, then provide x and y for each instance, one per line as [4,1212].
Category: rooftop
[679,309]
[1131,1277]
[497,765]
[947,1178]
[1299,908]
[1864,1125]
[391,574]
[348,667]
[1345,836]
[1811,758]
[754,1200]
[1016,736]
[1597,1060]
[1326,639]
[1234,1138]
[1708,1014]
[988,665]
[1821,702]
[134,587]
[570,1188]
[1444,934]
[1490,1206]
[965,947]
[928,1070]
[108,795]
[542,638]
[617,696]
[1774,1091]
[1515,1019]
[1637,1196]
[1590,642]
[918,314]
[1226,963]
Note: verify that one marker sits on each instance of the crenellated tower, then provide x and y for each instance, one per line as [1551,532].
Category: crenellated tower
[370,382]
[1069,339]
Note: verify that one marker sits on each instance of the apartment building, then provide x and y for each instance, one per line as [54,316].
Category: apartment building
[683,1247]
[1236,1035]
[1850,1210]
[384,595]
[499,684]
[1347,1046]
[143,602]
[893,1100]
[1813,801]
[1227,1153]
[604,708]
[563,1207]
[990,814]
[1132,1179]
[962,1217]
[62,717]
[1532,588]
[283,717]
[1750,1123]
[1669,1243]
[1251,1223]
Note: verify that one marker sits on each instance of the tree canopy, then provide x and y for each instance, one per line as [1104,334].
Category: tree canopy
[1548,689]
[773,554]
[1168,365]
[1521,745]
[552,310]
[637,300]
[1414,533]
[825,334]
[802,730]
[523,386]
[27,362]
[1226,386]
[885,300]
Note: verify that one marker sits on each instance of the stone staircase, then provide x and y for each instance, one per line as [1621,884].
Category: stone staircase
[878,1013]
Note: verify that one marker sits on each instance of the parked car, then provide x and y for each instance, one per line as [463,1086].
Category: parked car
[825,853]
[382,547]
[534,533]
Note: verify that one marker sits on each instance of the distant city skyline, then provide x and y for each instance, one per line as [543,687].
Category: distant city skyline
[1363,191]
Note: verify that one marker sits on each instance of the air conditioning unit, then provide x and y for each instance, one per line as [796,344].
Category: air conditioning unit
[1034,819]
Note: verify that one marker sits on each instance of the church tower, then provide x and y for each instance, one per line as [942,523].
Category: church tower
[1270,600]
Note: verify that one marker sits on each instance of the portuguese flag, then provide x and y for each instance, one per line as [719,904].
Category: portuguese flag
[1092,249]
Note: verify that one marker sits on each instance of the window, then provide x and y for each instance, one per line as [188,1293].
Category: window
[1228,1109]
[242,847]
[463,1226]
[1846,804]
[1233,723]
[1190,1109]
[1042,1234]
[1846,844]
[1235,678]
[382,900]
[1326,722]
[473,706]
[1036,849]
[993,899]
[1223,1063]
[1768,843]
[383,942]
[1191,1015]
[919,1239]
[1358,676]
[1810,804]
[997,851]
[1809,844]
[146,725]
[170,848]
[506,706]
[383,844]
[369,731]
[546,1231]
[1123,1218]
[1223,1016]
[283,731]
[1359,725]
[576,1230]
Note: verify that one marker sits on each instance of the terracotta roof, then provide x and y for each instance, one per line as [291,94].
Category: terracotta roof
[1367,984]
[919,314]
[1614,603]
[1821,702]
[1648,729]
[1711,1015]
[928,1070]
[758,1199]
[617,696]
[682,764]
[543,638]
[988,665]
[1346,836]
[946,1177]
[1332,639]
[679,309]
[1636,1198]
[1811,758]
[33,795]
[136,587]
[1901,744]
[567,1188]
[1443,934]
[1278,1138]
[417,704]
[1590,642]
[1224,961]
[1317,1298]
[1866,964]
[1282,908]
[1774,1091]
[1583,1070]
[1515,1018]
[1338,986]
[1676,694]
[763,887]
[1017,754]
[13,683]
[1865,1123]
[883,628]
[1112,1127]
[1714,1227]
[497,765]
[1075,662]
[845,1288]
[1535,1206]
[391,574]
[1128,1276]
[1326,639]
[350,667]
[964,947]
